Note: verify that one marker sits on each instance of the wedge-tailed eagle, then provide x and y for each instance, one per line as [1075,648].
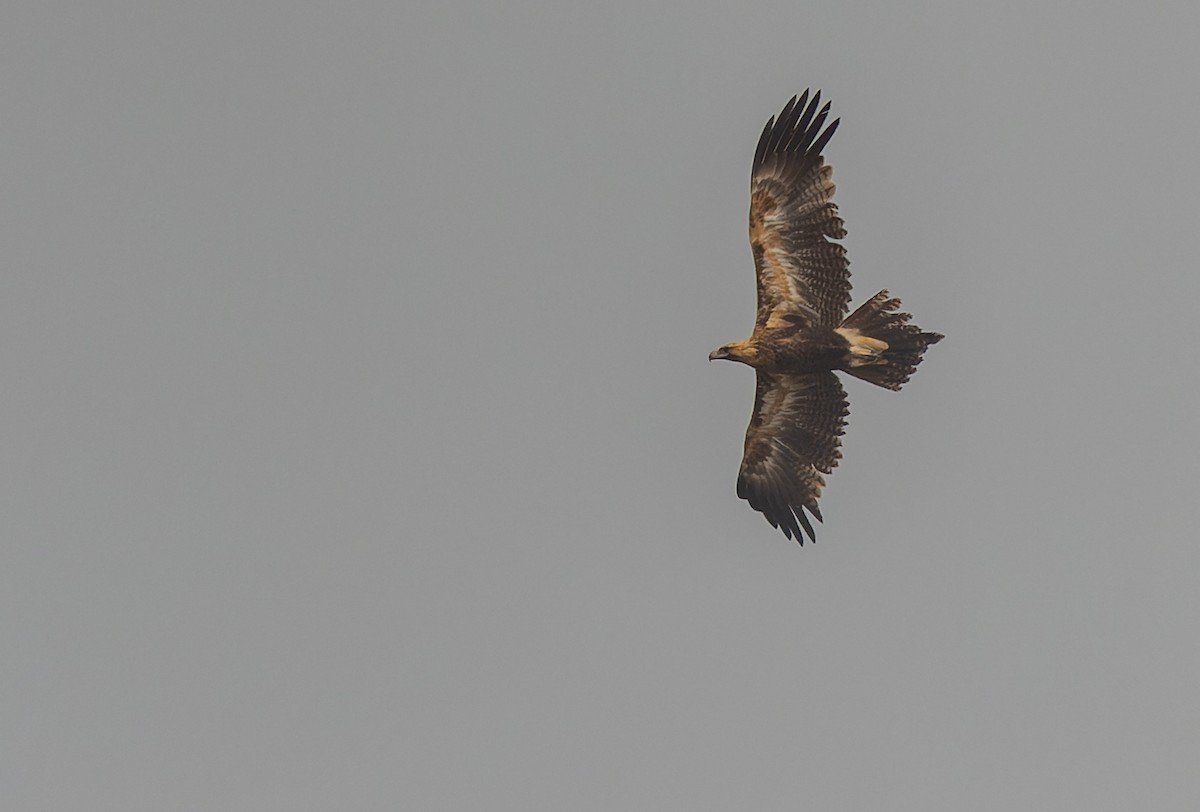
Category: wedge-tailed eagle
[802,333]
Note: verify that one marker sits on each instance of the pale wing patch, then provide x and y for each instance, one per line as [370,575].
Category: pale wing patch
[864,350]
[777,274]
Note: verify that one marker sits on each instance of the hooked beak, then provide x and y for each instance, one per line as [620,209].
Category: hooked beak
[718,354]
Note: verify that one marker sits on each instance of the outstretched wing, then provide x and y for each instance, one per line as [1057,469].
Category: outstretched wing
[793,438]
[792,215]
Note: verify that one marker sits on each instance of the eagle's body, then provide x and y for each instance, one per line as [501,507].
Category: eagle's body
[802,333]
[794,348]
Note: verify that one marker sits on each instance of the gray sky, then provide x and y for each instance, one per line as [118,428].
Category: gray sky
[361,450]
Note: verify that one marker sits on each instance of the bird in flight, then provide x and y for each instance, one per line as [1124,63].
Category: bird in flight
[802,333]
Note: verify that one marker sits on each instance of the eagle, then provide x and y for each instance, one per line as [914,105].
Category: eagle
[802,334]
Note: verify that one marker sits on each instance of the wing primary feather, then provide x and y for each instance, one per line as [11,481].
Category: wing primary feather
[780,128]
[795,125]
[806,524]
[803,136]
[817,123]
[820,143]
[802,123]
[811,133]
[796,130]
[787,520]
[761,151]
[798,104]
[788,135]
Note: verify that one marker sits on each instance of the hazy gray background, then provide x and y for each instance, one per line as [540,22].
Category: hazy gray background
[360,450]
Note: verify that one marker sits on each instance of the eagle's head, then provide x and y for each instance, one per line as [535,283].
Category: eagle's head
[742,351]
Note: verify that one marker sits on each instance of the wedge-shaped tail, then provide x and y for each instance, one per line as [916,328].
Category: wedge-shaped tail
[884,348]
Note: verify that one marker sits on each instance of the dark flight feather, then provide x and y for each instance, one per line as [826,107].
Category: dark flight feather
[794,435]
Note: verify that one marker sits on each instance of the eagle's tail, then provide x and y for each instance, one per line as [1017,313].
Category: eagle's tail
[884,348]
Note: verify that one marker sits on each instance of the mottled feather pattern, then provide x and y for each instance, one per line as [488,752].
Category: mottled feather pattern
[792,218]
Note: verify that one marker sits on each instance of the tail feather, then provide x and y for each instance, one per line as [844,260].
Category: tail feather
[884,348]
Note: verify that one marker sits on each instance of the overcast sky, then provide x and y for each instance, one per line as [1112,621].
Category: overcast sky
[360,448]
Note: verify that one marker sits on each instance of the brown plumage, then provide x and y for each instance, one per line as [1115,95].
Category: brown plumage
[802,333]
